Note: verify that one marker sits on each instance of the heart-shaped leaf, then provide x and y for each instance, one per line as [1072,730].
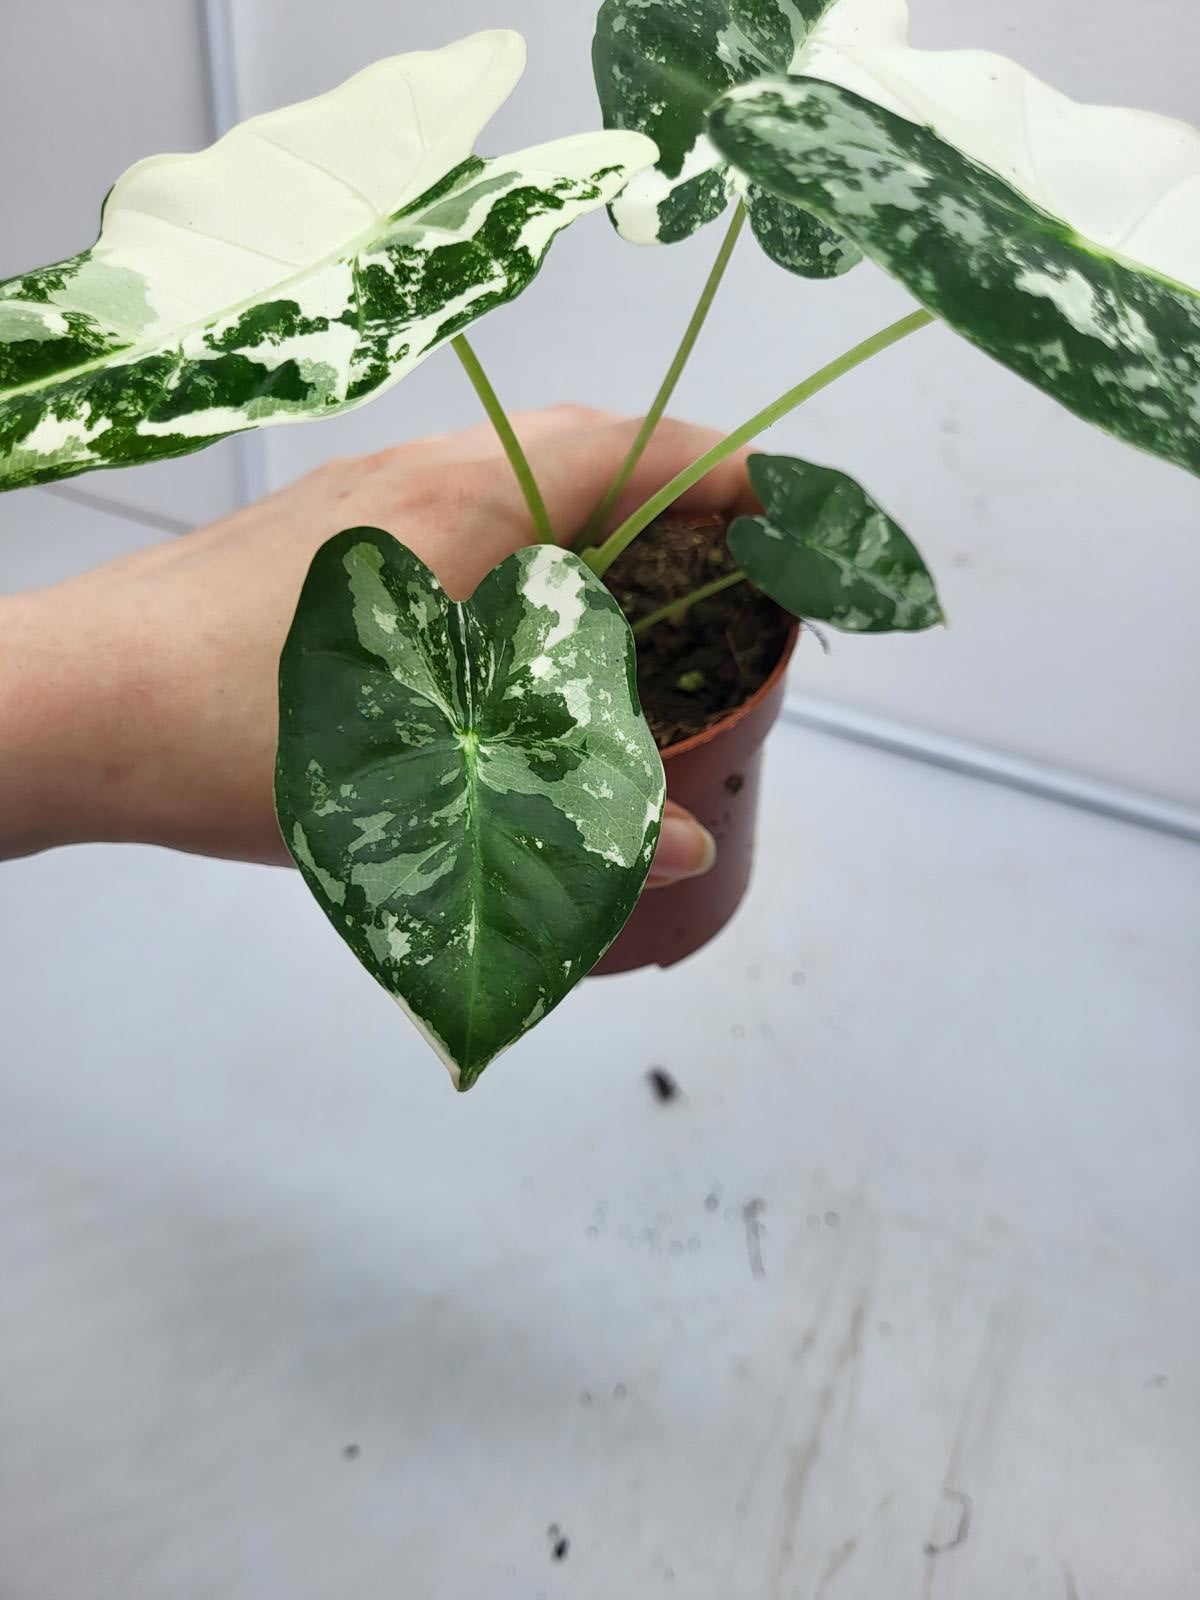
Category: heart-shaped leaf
[659,67]
[826,551]
[470,790]
[302,264]
[1079,268]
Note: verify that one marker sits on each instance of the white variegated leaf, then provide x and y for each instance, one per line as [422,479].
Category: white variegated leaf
[659,66]
[1128,181]
[1064,240]
[296,268]
[469,790]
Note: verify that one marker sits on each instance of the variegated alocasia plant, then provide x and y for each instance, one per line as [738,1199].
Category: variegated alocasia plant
[469,789]
[298,267]
[837,139]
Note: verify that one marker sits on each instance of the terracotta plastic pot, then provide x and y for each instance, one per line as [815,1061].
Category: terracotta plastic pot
[715,775]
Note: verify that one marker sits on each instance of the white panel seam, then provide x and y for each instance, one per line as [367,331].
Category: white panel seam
[983,762]
[117,508]
[224,101]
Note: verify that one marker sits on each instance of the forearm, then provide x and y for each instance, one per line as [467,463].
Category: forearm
[66,724]
[119,724]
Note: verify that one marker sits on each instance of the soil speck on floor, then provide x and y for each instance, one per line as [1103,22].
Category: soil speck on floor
[351,1452]
[663,1085]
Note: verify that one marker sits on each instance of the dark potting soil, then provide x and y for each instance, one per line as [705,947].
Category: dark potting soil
[694,670]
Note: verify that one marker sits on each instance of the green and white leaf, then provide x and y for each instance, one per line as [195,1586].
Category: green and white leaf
[1062,239]
[826,551]
[660,65]
[301,265]
[470,790]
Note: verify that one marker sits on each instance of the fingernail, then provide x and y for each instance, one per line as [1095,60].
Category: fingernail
[685,850]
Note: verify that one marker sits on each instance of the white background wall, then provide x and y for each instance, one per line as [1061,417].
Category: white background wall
[1070,566]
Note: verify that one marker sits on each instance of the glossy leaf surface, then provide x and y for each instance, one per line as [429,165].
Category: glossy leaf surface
[1063,239]
[659,66]
[826,551]
[470,790]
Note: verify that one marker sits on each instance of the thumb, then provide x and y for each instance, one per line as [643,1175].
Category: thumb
[686,849]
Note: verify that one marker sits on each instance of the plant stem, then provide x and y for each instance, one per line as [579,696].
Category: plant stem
[603,556]
[676,606]
[504,430]
[595,523]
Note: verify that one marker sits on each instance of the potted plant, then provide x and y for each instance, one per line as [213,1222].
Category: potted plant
[470,789]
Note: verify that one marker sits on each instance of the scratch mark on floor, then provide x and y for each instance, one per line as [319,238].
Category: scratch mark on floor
[823,1299]
[980,1415]
[1069,1584]
[854,1355]
[845,1359]
[966,1510]
[837,1560]
[751,1211]
[792,1500]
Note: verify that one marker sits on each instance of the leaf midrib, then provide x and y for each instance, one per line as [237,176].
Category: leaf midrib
[844,564]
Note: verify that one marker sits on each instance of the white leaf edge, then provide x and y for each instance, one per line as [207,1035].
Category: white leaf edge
[1128,181]
[635,211]
[191,240]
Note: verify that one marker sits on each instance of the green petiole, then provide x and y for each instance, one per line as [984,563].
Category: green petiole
[498,417]
[601,557]
[677,607]
[596,521]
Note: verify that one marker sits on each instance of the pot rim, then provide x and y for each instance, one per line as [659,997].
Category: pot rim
[707,735]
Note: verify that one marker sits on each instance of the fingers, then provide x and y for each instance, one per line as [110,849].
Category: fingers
[532,428]
[576,451]
[575,459]
[685,849]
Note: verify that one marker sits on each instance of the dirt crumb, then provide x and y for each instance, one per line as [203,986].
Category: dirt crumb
[663,1085]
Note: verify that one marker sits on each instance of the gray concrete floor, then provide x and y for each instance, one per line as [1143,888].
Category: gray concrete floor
[900,1298]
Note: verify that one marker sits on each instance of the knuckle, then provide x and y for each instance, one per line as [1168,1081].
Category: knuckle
[580,416]
[379,460]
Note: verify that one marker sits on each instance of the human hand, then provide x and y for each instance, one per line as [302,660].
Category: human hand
[138,702]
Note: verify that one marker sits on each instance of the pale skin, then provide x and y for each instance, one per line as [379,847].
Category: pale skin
[138,701]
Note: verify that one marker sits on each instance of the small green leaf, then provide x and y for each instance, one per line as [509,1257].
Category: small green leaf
[1113,338]
[299,266]
[469,790]
[659,66]
[795,240]
[825,550]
